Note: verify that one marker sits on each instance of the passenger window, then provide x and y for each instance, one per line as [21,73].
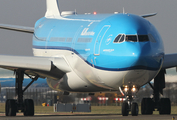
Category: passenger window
[151,38]
[131,38]
[143,38]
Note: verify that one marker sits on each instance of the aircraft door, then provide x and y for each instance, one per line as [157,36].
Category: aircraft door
[99,39]
[75,37]
[49,37]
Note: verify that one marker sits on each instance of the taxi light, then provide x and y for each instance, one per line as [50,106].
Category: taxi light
[134,89]
[126,88]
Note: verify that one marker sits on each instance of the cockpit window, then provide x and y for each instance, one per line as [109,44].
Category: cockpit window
[151,38]
[120,38]
[131,38]
[143,38]
[134,38]
[117,38]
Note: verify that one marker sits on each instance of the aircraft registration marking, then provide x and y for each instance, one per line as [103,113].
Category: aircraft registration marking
[108,50]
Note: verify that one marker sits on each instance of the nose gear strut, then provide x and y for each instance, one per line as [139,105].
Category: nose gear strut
[129,105]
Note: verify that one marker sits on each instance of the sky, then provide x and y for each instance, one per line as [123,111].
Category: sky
[27,12]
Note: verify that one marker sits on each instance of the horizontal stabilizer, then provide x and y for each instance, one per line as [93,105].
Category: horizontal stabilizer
[148,15]
[17,28]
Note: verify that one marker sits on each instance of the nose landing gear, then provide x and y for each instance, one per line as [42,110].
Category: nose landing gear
[129,105]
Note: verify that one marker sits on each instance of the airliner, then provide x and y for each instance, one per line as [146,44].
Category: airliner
[92,53]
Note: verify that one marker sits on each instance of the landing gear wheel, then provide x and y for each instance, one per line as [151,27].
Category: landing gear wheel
[7,107]
[125,108]
[147,106]
[134,109]
[28,107]
[165,106]
[11,107]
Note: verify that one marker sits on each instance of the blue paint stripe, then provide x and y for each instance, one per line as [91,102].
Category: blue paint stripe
[140,67]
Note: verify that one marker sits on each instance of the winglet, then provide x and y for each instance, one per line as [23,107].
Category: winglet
[52,9]
[148,15]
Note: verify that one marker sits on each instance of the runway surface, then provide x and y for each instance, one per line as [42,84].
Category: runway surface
[92,117]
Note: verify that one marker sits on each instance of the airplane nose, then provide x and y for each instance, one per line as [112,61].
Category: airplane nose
[140,54]
[142,57]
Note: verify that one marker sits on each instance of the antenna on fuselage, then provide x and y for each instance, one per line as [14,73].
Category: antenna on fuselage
[75,12]
[123,10]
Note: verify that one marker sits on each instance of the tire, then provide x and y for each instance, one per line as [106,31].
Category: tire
[125,108]
[134,109]
[7,107]
[143,106]
[11,107]
[28,107]
[147,106]
[165,106]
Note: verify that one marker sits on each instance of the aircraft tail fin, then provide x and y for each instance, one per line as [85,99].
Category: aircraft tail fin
[52,9]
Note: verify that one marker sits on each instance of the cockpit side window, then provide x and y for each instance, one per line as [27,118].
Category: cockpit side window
[117,38]
[143,38]
[131,38]
[120,38]
[151,38]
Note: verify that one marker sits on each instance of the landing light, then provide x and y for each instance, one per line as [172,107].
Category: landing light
[126,88]
[133,89]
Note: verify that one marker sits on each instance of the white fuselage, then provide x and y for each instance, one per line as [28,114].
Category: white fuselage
[85,78]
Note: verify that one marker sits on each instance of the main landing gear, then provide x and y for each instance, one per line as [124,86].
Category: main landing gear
[26,106]
[129,105]
[163,105]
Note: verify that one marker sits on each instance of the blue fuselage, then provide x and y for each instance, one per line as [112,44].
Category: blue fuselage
[92,38]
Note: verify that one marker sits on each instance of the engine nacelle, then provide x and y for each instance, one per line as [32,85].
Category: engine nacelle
[72,83]
[58,85]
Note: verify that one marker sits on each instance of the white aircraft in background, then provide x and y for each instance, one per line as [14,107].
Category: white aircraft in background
[92,53]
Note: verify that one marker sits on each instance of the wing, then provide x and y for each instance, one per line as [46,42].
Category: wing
[54,68]
[17,28]
[170,60]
